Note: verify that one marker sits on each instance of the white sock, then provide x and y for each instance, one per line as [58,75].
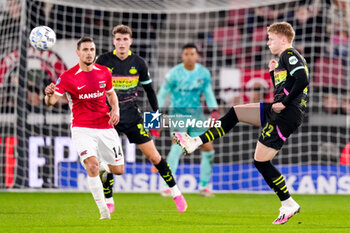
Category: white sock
[289,202]
[104,167]
[175,191]
[96,188]
[110,200]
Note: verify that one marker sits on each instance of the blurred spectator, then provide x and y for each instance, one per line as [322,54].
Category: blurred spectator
[257,90]
[340,44]
[145,30]
[260,17]
[8,93]
[309,30]
[345,104]
[339,15]
[339,28]
[329,73]
[66,21]
[330,103]
[35,85]
[10,27]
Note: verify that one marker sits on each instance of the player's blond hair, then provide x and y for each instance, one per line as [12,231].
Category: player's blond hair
[122,29]
[282,28]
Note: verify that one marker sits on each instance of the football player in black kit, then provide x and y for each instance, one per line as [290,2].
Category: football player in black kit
[278,120]
[128,70]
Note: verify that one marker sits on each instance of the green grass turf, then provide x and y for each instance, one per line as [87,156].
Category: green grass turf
[77,212]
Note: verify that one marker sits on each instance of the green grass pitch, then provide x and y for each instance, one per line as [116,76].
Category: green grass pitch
[77,212]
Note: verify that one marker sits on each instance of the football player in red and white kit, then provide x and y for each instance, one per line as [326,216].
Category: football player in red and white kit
[86,86]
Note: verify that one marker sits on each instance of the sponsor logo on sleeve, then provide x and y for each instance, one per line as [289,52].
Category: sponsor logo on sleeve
[293,60]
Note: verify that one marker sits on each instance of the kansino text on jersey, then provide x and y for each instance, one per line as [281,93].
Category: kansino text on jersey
[90,95]
[190,123]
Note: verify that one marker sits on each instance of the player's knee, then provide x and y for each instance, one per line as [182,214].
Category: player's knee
[262,166]
[155,159]
[92,167]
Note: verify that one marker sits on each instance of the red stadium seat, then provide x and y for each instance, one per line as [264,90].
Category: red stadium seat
[229,38]
[329,72]
[260,34]
[236,16]
[227,34]
[259,37]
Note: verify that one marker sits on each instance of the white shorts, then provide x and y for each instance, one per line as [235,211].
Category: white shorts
[102,143]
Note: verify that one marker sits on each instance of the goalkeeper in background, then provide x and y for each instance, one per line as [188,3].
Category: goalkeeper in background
[278,120]
[185,83]
[128,70]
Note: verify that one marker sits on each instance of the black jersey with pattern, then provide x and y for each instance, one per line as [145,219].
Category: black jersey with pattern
[289,62]
[126,74]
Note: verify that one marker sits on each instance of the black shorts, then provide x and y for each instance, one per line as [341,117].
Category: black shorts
[131,123]
[276,127]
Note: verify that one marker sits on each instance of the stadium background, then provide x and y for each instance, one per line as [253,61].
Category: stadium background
[35,148]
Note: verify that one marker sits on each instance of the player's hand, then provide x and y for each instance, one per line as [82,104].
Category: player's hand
[272,64]
[278,107]
[113,117]
[50,89]
[215,115]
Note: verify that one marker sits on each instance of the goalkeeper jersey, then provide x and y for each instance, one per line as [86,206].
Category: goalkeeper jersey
[185,88]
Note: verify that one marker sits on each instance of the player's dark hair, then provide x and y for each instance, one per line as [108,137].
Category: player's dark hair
[190,46]
[83,40]
[122,29]
[282,28]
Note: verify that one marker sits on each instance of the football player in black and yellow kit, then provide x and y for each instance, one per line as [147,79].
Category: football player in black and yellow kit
[128,71]
[278,120]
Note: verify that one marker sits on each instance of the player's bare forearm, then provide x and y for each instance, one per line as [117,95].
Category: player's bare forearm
[114,113]
[50,97]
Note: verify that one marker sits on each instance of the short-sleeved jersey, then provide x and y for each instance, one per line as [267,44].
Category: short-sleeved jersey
[126,74]
[185,88]
[86,95]
[289,62]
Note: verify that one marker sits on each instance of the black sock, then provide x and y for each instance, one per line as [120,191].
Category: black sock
[273,178]
[108,186]
[227,123]
[165,172]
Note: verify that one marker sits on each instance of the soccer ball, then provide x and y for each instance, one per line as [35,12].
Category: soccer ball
[42,38]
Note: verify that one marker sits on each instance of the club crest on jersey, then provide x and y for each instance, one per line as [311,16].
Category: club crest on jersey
[103,85]
[83,153]
[133,70]
[293,60]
